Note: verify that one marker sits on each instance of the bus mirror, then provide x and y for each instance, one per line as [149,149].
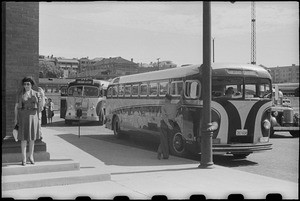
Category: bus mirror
[193,90]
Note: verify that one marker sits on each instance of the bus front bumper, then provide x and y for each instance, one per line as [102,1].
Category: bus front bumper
[240,148]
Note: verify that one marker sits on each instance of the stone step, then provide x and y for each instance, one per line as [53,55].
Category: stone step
[88,175]
[39,167]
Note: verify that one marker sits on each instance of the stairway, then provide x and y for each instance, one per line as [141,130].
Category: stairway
[49,173]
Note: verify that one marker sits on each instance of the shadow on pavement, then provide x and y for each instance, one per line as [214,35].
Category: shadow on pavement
[134,151]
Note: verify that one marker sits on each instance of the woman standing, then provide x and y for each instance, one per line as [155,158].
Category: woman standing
[50,110]
[27,108]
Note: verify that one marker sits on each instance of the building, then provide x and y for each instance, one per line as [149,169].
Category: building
[85,63]
[69,66]
[20,54]
[109,68]
[285,74]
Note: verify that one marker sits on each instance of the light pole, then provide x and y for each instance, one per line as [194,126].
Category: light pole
[206,132]
[213,39]
[158,63]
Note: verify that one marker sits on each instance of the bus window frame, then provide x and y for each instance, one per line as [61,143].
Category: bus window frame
[177,94]
[116,90]
[149,87]
[119,89]
[140,90]
[199,91]
[159,87]
[127,85]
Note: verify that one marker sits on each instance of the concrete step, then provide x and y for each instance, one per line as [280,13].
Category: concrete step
[85,175]
[39,167]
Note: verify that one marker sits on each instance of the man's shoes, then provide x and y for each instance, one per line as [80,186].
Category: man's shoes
[24,163]
[159,156]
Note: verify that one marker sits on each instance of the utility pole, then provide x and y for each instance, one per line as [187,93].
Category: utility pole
[158,63]
[213,39]
[206,133]
[253,34]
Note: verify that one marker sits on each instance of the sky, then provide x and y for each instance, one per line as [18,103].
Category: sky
[170,30]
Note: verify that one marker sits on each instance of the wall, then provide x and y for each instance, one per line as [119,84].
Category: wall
[20,53]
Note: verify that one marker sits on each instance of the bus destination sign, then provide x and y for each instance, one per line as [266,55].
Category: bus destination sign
[84,81]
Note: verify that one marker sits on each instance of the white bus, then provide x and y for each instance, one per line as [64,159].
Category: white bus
[134,104]
[89,96]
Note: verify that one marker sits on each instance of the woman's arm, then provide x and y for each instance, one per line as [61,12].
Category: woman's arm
[16,113]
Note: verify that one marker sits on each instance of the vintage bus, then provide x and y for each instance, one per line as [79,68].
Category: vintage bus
[243,120]
[88,95]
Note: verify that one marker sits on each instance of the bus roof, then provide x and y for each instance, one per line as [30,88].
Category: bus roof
[218,69]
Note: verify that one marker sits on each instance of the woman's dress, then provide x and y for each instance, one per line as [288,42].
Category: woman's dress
[28,120]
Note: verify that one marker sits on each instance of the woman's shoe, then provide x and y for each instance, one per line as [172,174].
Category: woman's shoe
[24,163]
[31,161]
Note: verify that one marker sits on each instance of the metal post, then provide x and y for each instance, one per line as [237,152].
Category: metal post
[213,50]
[206,135]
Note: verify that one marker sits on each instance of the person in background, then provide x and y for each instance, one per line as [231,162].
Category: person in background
[50,110]
[42,98]
[229,92]
[28,103]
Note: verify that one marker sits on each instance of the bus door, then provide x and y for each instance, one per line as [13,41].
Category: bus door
[63,101]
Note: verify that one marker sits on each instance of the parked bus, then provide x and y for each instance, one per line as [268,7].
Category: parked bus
[87,95]
[243,120]
[52,88]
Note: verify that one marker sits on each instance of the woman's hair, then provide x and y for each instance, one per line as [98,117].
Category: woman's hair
[28,79]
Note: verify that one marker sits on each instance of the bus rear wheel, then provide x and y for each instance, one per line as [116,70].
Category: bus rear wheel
[177,144]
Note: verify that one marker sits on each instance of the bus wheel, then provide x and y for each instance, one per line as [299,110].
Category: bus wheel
[116,127]
[294,133]
[68,122]
[240,156]
[177,145]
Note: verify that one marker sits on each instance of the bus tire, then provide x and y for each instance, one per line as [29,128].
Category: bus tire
[240,156]
[177,145]
[294,133]
[116,127]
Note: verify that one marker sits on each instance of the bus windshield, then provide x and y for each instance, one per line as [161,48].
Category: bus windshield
[240,88]
[88,91]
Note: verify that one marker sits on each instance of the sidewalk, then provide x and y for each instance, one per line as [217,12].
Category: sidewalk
[137,174]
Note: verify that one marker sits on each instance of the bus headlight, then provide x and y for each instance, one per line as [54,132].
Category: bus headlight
[266,124]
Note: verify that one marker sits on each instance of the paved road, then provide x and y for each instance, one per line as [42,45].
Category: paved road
[281,162]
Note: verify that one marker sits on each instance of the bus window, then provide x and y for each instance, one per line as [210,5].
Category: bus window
[153,89]
[225,87]
[115,91]
[91,91]
[256,87]
[192,89]
[144,89]
[109,92]
[135,90]
[163,88]
[127,90]
[176,88]
[121,90]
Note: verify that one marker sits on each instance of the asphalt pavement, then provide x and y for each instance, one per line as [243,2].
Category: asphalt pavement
[138,174]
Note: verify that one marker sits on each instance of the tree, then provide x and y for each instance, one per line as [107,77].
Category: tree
[49,70]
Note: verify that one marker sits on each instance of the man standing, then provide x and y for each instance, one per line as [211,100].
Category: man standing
[169,112]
